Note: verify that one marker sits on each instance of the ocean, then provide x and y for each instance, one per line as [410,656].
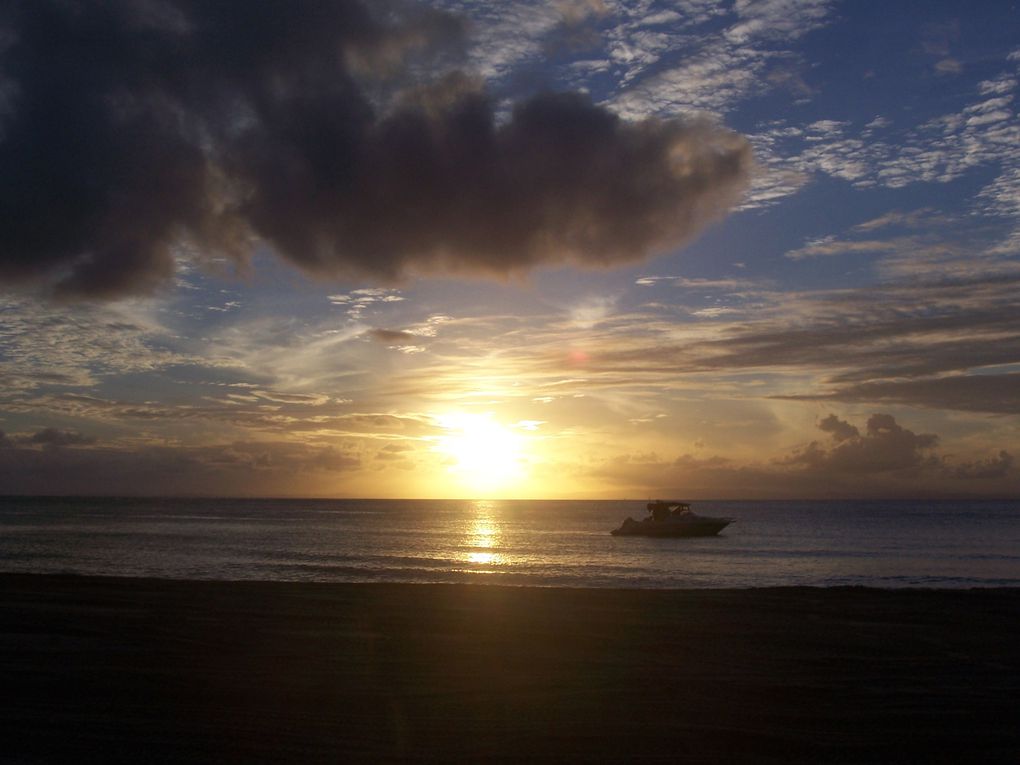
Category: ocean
[953,544]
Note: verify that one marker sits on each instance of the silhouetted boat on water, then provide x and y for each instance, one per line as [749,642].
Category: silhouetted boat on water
[672,519]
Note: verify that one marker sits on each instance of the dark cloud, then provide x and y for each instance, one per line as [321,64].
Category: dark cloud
[53,437]
[997,393]
[991,467]
[884,460]
[885,446]
[390,336]
[244,468]
[885,344]
[840,429]
[922,344]
[128,127]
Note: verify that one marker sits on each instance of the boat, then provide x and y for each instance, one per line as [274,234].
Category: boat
[672,519]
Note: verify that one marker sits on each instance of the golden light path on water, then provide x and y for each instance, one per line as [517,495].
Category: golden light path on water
[484,537]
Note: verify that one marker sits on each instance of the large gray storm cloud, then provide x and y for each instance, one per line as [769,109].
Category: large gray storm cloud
[340,135]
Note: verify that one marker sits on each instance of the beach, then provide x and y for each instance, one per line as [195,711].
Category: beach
[135,670]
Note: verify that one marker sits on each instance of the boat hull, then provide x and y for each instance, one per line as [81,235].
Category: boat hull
[702,527]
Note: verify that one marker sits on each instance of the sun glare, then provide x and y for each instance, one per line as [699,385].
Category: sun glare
[485,456]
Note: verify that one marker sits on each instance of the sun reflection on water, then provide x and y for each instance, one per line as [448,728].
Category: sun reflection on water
[484,558]
[484,536]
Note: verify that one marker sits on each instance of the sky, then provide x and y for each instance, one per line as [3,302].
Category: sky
[577,249]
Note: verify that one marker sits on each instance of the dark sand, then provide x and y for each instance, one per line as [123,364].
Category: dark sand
[148,670]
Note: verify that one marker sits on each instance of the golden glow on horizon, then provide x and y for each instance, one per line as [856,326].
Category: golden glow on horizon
[485,456]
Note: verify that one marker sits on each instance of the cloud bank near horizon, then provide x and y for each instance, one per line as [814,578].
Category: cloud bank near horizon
[884,460]
[886,457]
[340,134]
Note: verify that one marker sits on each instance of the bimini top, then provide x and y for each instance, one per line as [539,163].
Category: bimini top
[670,505]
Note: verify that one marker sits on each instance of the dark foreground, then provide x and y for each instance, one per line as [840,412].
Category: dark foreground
[145,670]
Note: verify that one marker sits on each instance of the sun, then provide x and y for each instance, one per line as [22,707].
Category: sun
[484,455]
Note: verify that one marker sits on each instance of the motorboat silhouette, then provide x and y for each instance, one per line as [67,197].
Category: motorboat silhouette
[672,519]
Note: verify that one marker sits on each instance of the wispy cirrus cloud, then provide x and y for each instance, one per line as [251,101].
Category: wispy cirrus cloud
[921,342]
[939,150]
[715,63]
[358,301]
[728,285]
[49,345]
[829,246]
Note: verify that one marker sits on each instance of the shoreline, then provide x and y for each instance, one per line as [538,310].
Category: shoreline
[131,579]
[184,670]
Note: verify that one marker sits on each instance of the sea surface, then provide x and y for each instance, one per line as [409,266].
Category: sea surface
[544,543]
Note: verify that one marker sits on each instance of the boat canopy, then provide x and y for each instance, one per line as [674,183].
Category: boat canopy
[670,505]
[662,511]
